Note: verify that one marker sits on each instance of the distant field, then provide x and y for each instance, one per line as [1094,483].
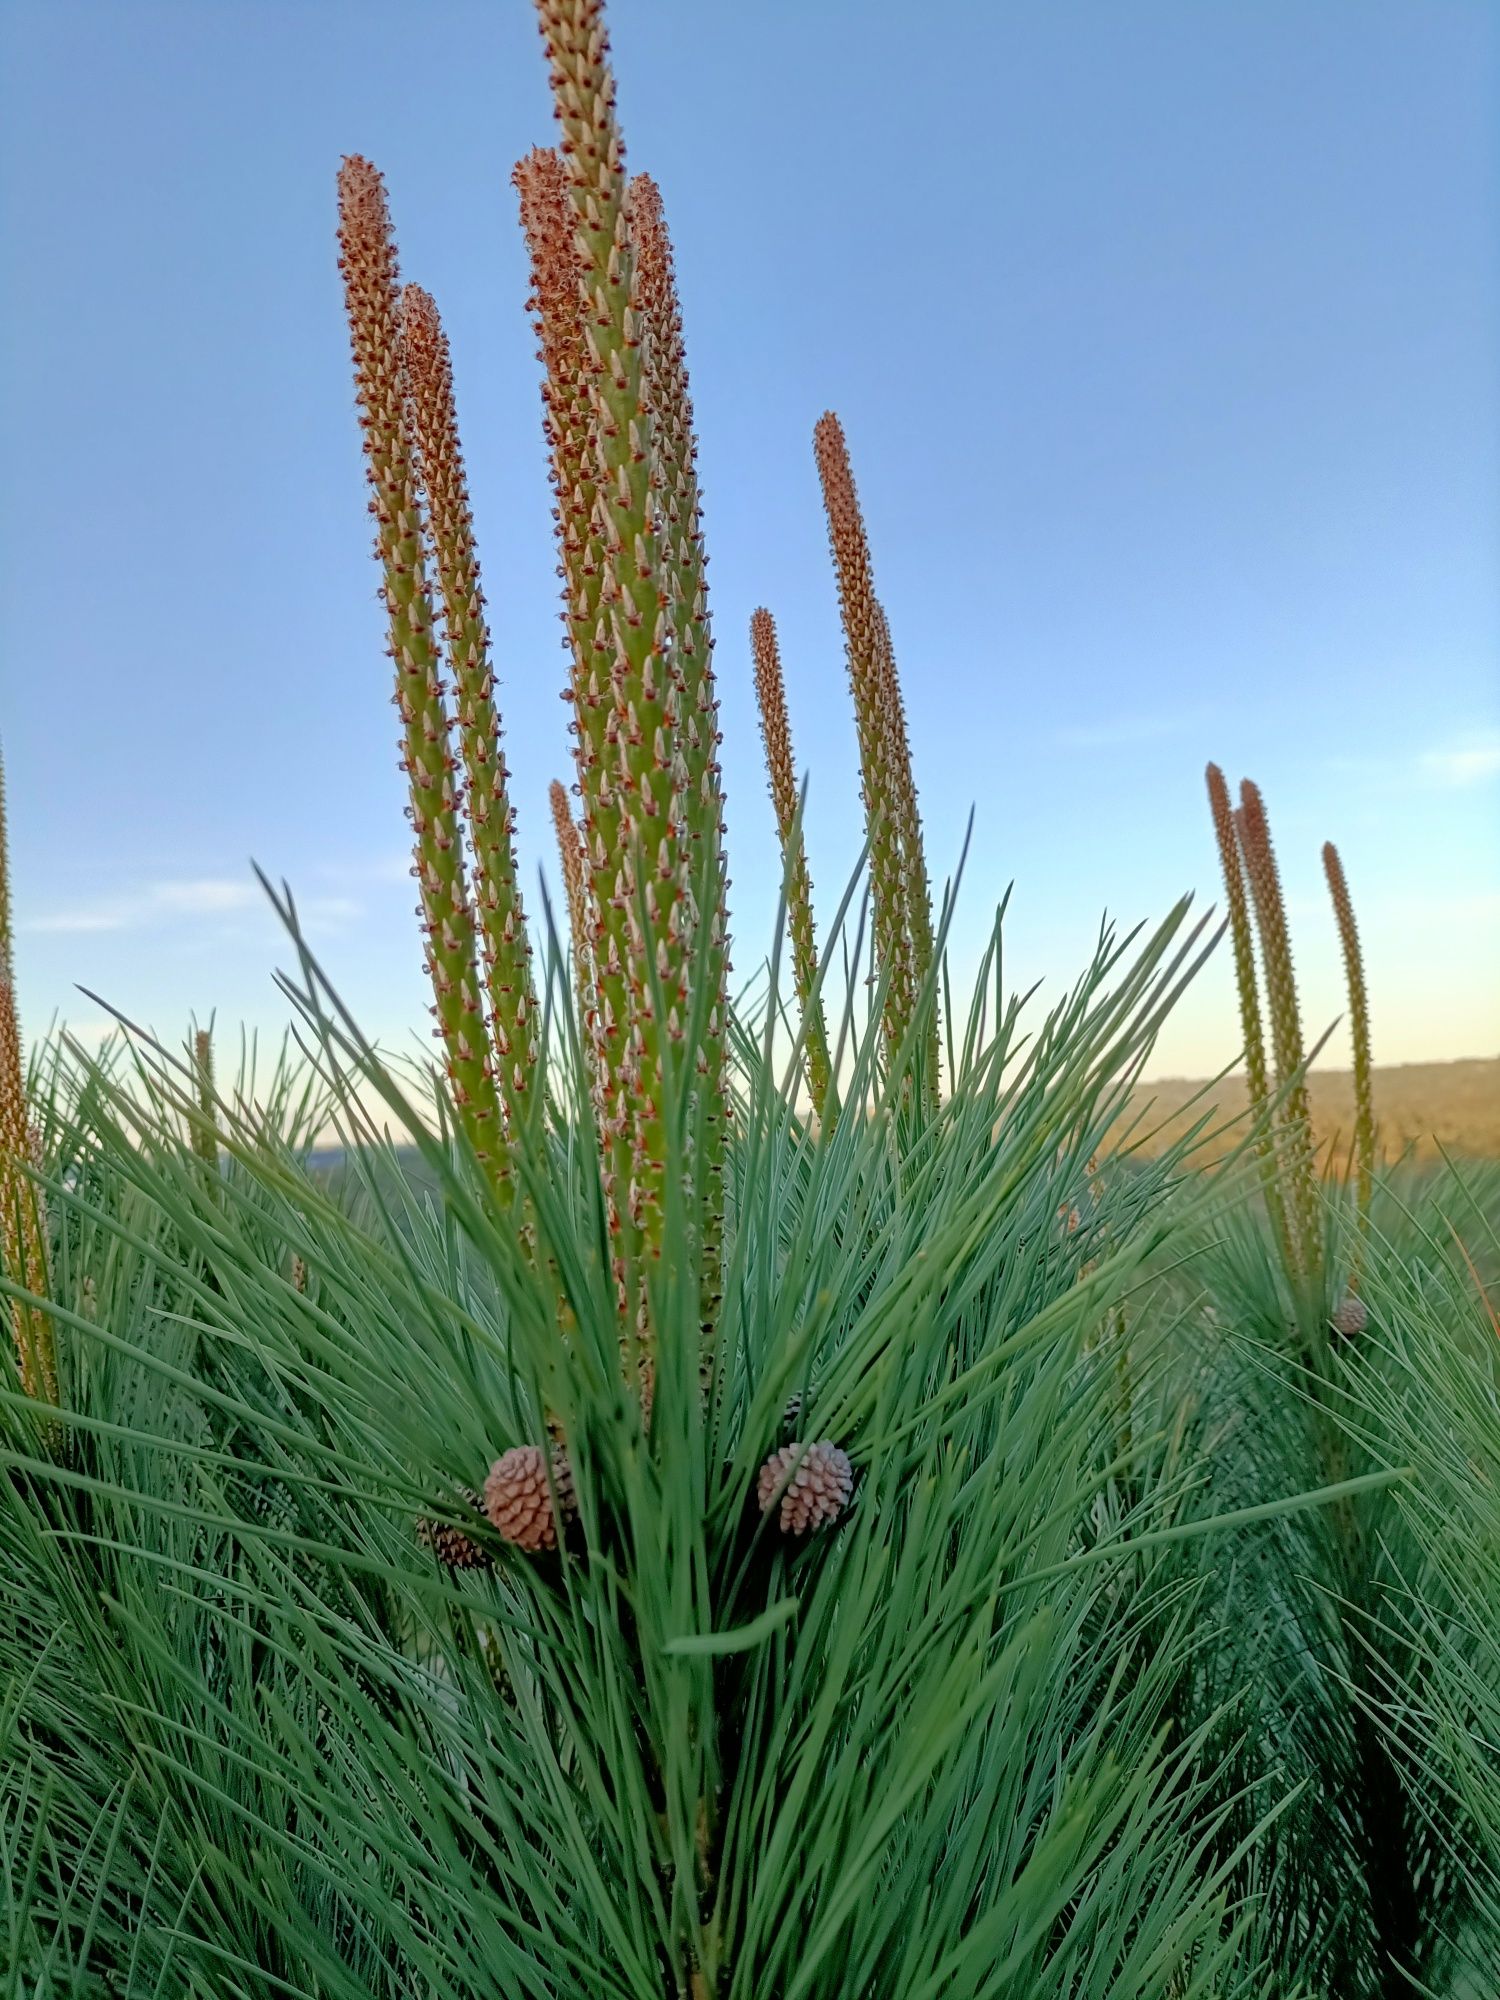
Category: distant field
[1419,1106]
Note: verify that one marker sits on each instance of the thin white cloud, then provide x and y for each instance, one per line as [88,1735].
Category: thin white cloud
[205,898]
[328,913]
[383,869]
[71,922]
[1474,912]
[183,904]
[1463,763]
[1124,730]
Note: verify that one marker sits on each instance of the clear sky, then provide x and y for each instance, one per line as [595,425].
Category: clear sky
[1165,336]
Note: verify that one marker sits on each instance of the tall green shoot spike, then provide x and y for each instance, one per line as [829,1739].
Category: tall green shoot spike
[367,259]
[556,299]
[675,481]
[205,1132]
[917,888]
[23,1229]
[1359,1029]
[647,884]
[570,859]
[23,1235]
[1294,1136]
[632,631]
[776,734]
[1257,1083]
[7,948]
[488,814]
[869,684]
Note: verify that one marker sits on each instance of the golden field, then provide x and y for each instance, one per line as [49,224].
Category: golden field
[1421,1108]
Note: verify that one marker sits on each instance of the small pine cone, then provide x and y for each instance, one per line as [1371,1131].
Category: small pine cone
[451,1545]
[519,1502]
[819,1489]
[1351,1316]
[264,1500]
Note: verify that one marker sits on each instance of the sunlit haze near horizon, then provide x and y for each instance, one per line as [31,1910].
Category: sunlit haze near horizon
[1164,338]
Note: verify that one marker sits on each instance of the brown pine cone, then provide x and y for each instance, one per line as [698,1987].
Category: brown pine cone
[817,1491]
[519,1502]
[1350,1317]
[450,1544]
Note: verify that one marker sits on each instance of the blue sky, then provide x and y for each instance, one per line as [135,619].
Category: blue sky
[1164,337]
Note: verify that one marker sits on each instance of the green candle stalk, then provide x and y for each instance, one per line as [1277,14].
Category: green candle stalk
[367,261]
[488,814]
[1359,1031]
[776,734]
[1294,1136]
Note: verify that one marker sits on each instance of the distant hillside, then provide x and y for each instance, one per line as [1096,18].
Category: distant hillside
[1420,1106]
[1423,1106]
